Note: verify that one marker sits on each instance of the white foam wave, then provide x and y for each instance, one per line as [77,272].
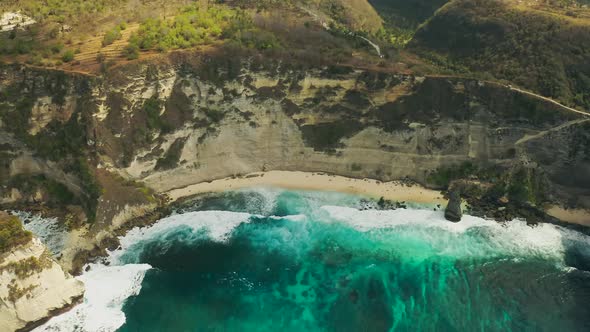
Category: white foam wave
[107,288]
[48,230]
[217,224]
[486,237]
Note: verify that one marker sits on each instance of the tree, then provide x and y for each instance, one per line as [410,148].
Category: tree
[68,56]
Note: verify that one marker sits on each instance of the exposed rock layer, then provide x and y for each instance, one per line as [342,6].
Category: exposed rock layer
[33,287]
[107,144]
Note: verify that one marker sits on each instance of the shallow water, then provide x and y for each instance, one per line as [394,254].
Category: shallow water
[265,259]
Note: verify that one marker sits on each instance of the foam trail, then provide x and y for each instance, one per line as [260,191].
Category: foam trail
[217,225]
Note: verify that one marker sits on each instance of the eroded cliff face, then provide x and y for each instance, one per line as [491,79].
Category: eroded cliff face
[105,145]
[33,287]
[177,124]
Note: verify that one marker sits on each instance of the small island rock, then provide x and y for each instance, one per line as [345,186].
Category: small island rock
[453,210]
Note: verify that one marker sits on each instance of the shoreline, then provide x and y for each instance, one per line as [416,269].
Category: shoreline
[392,191]
[571,216]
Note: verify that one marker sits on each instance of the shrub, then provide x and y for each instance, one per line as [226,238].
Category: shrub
[57,48]
[67,56]
[190,28]
[111,36]
[131,52]
[443,176]
[12,233]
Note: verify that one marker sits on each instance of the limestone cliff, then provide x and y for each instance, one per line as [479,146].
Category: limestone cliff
[33,287]
[103,147]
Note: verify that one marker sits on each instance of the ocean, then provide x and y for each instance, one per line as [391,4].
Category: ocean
[267,259]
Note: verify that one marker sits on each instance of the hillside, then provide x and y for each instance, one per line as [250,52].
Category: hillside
[539,47]
[87,37]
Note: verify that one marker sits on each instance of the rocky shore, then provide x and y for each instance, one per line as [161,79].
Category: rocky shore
[33,286]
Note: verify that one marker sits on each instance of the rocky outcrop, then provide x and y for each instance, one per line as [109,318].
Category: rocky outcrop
[33,287]
[453,211]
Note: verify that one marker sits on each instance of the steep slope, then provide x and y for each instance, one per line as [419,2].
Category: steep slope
[406,14]
[358,14]
[170,125]
[539,48]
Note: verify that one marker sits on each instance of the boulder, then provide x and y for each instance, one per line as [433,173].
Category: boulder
[453,210]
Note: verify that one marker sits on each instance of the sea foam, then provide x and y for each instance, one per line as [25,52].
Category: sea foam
[472,237]
[108,287]
[48,230]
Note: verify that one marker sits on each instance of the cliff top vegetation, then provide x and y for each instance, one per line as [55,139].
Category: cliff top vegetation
[542,45]
[12,233]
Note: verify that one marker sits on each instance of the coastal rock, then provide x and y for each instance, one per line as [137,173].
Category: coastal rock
[453,210]
[33,287]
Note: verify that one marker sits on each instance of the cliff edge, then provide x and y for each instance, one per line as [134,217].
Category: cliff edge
[33,287]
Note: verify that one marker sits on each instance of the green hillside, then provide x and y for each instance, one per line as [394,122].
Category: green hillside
[543,49]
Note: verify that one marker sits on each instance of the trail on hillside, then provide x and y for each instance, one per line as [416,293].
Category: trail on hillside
[549,100]
[543,133]
[326,26]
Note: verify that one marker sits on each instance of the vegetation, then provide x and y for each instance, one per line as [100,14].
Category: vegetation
[42,43]
[12,233]
[29,266]
[402,18]
[68,56]
[526,185]
[172,156]
[519,185]
[192,27]
[58,193]
[327,136]
[443,176]
[152,108]
[114,34]
[58,10]
[15,293]
[131,52]
[91,190]
[542,50]
[63,143]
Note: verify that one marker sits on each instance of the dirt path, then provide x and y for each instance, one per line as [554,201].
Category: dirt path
[548,100]
[540,134]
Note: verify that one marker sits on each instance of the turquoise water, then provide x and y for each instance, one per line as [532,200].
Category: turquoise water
[310,262]
[275,260]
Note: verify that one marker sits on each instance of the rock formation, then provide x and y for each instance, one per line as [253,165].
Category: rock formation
[453,211]
[33,287]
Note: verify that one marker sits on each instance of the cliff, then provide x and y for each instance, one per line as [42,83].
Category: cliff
[103,149]
[33,286]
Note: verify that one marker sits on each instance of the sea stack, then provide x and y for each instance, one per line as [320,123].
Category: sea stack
[453,210]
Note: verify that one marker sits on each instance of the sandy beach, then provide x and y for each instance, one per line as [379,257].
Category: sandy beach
[395,190]
[574,216]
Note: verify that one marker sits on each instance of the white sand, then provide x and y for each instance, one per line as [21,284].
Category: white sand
[395,191]
[574,216]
